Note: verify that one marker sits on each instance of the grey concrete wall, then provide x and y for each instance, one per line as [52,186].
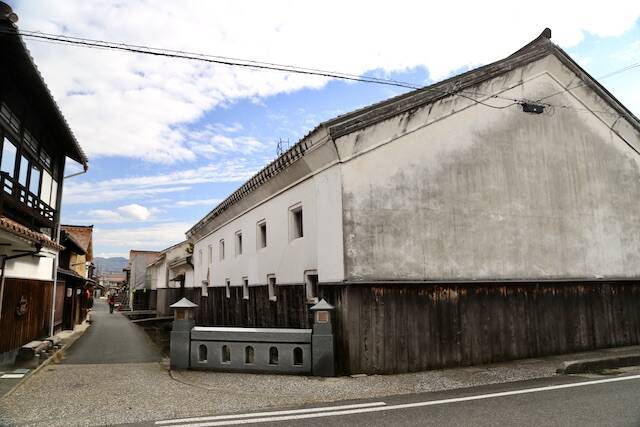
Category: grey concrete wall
[459,191]
[259,340]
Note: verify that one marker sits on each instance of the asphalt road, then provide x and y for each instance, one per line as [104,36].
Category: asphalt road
[559,401]
[112,338]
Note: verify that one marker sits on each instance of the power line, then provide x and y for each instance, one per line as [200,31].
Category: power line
[270,66]
[229,61]
[221,60]
[613,73]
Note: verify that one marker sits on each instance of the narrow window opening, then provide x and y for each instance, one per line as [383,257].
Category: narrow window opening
[238,243]
[221,247]
[249,357]
[271,284]
[311,284]
[296,228]
[210,254]
[226,354]
[273,356]
[227,286]
[245,288]
[262,235]
[297,356]
[202,353]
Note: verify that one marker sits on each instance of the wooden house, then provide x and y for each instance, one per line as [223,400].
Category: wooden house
[35,141]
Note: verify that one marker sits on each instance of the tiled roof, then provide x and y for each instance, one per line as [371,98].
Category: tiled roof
[82,235]
[74,151]
[359,119]
[20,230]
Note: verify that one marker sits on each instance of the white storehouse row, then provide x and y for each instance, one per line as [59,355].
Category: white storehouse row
[171,271]
[518,181]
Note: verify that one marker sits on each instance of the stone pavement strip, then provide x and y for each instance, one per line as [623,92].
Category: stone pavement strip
[112,338]
[102,388]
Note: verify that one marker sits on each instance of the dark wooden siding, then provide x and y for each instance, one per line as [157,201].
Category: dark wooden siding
[15,331]
[60,294]
[403,328]
[288,311]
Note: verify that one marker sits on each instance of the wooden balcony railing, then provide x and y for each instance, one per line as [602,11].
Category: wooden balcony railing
[30,209]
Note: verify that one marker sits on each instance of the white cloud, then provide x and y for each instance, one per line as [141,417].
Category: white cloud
[198,202]
[122,104]
[154,237]
[209,142]
[146,186]
[127,213]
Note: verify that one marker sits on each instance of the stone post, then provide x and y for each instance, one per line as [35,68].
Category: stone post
[322,342]
[180,344]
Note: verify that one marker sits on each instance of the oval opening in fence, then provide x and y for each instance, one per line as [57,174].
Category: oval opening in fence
[226,354]
[273,356]
[202,353]
[297,356]
[249,355]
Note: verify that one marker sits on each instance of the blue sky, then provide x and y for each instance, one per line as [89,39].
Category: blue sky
[168,139]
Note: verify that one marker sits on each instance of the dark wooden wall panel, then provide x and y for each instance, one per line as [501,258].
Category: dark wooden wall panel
[60,295]
[15,331]
[405,327]
[288,311]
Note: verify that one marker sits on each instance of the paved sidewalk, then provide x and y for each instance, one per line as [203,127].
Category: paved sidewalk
[106,389]
[112,338]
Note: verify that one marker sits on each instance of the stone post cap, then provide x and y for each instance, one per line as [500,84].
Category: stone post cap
[322,305]
[183,303]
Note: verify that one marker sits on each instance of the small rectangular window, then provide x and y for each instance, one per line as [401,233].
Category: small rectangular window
[245,288]
[8,157]
[45,190]
[34,180]
[238,243]
[227,285]
[24,171]
[54,193]
[200,257]
[271,284]
[296,228]
[262,235]
[210,254]
[311,285]
[221,249]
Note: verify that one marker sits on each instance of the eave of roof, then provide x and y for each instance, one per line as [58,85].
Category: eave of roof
[71,239]
[74,151]
[353,121]
[71,274]
[26,233]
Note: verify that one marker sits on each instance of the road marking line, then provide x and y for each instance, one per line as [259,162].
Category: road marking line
[262,414]
[410,405]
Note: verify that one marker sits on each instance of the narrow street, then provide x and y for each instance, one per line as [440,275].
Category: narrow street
[112,338]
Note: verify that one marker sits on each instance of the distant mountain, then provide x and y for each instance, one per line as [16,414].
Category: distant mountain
[110,265]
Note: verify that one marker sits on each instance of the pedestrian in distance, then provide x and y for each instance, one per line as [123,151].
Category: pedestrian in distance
[112,303]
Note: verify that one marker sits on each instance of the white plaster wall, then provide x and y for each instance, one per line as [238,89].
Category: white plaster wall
[458,190]
[31,267]
[159,275]
[320,249]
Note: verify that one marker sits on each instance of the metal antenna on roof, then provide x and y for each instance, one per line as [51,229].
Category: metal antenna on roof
[282,146]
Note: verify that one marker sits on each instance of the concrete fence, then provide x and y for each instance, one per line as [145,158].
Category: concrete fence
[274,350]
[251,349]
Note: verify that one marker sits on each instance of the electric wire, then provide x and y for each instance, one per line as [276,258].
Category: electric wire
[252,64]
[271,66]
